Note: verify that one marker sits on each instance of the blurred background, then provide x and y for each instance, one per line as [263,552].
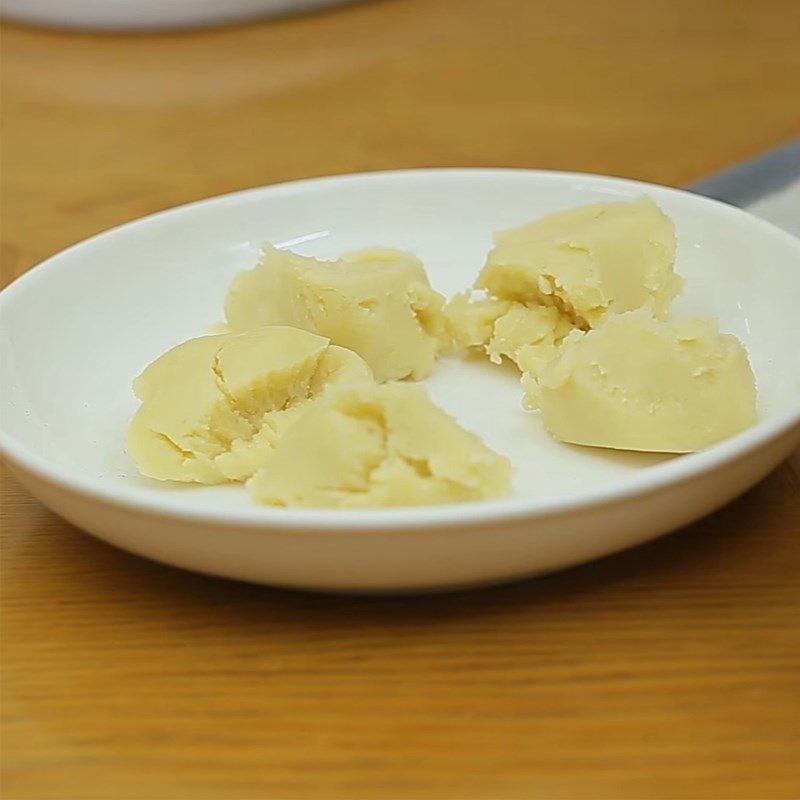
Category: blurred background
[100,128]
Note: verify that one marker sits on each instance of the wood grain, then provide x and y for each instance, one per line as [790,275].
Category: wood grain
[671,671]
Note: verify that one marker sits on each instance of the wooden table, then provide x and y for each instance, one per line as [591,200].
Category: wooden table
[671,671]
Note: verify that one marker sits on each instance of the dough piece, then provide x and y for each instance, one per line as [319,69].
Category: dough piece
[525,331]
[469,322]
[588,262]
[376,445]
[504,328]
[639,384]
[214,407]
[377,303]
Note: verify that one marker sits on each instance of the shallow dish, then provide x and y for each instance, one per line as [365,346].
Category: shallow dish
[79,327]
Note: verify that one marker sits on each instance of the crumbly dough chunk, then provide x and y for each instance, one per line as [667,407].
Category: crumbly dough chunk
[588,262]
[379,445]
[214,407]
[377,303]
[639,384]
[525,330]
[504,328]
[469,322]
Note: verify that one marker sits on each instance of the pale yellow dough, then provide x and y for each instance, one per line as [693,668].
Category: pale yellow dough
[377,303]
[588,262]
[379,445]
[504,328]
[469,323]
[286,398]
[639,384]
[214,407]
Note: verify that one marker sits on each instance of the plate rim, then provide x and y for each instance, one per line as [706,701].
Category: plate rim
[655,478]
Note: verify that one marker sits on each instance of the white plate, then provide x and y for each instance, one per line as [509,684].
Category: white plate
[77,329]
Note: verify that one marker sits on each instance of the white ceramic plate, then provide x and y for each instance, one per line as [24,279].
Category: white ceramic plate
[78,328]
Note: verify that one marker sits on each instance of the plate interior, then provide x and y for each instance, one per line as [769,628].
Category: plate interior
[74,335]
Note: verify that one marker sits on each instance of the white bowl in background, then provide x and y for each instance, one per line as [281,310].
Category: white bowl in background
[143,15]
[75,330]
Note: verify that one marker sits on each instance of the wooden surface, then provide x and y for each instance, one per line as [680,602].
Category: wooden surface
[672,671]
